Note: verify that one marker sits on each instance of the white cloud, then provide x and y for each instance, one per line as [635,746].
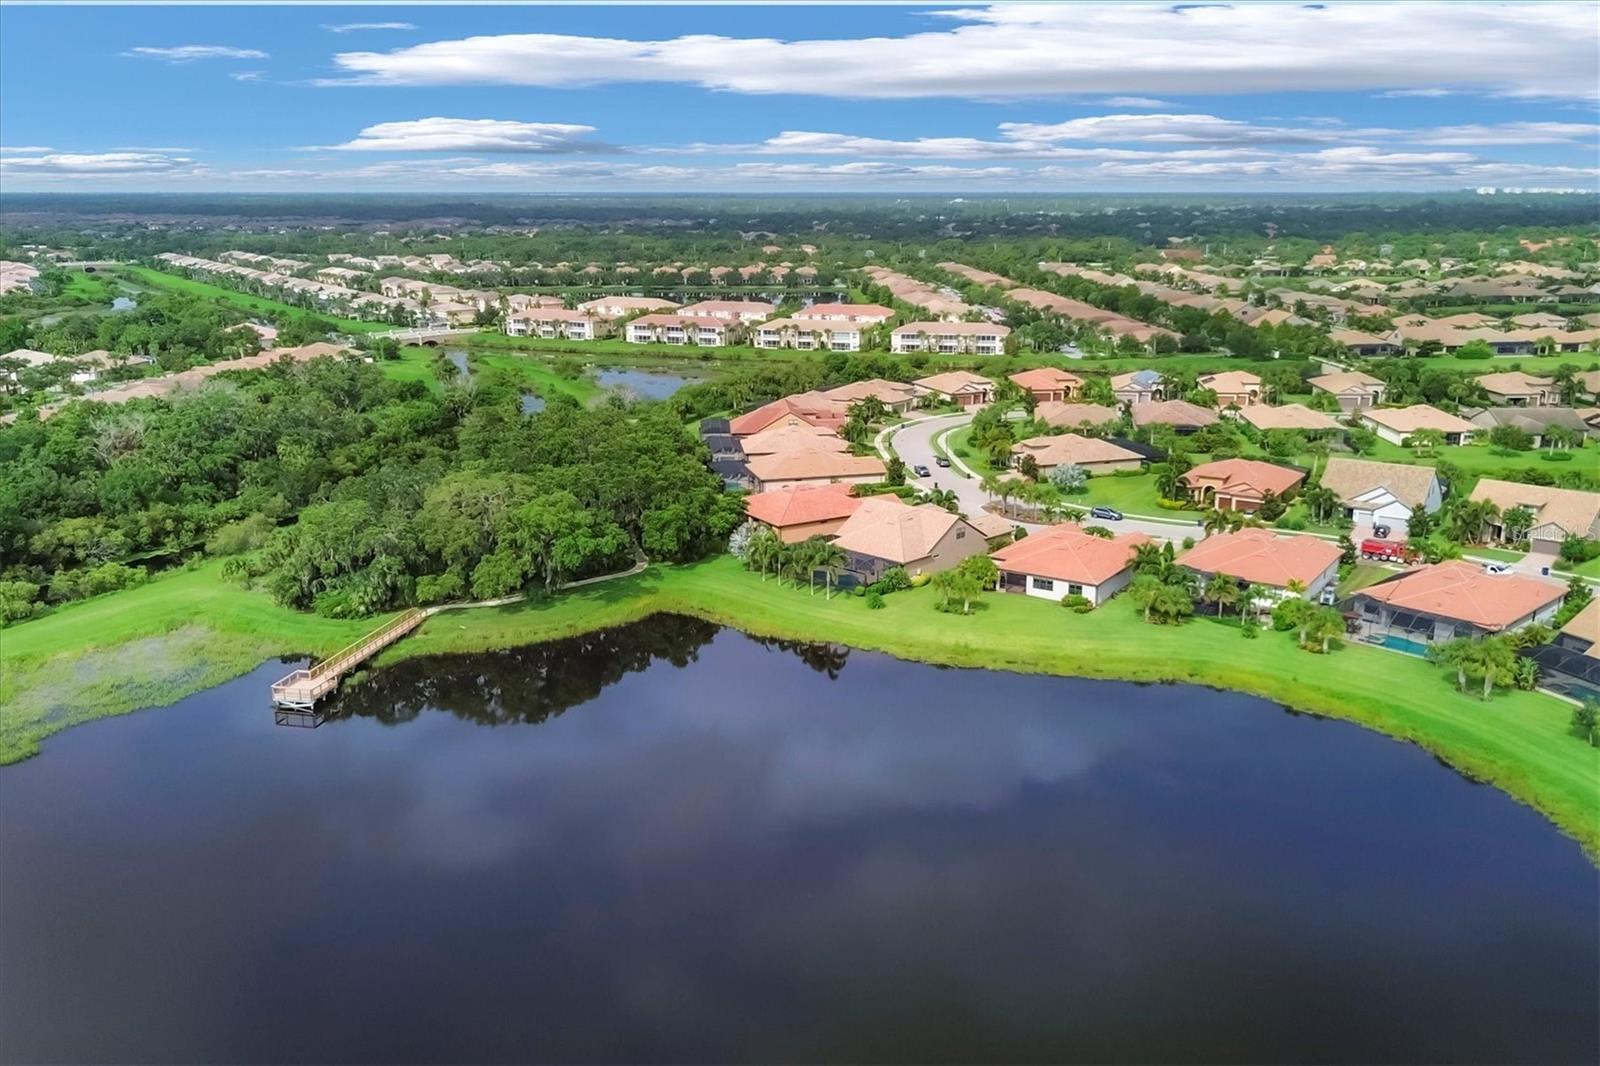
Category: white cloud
[350,27]
[1162,129]
[24,148]
[1400,94]
[188,53]
[1136,101]
[1023,51]
[1511,133]
[248,75]
[473,135]
[68,165]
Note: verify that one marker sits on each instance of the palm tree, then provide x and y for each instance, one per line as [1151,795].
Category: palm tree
[1222,591]
[832,559]
[1497,659]
[763,550]
[1325,624]
[1216,521]
[1144,590]
[1457,653]
[1254,595]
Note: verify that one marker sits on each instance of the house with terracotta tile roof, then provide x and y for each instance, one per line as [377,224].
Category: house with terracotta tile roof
[897,396]
[729,310]
[1513,388]
[884,531]
[791,434]
[1064,561]
[1396,424]
[1438,603]
[1386,494]
[1557,513]
[1351,388]
[1234,388]
[857,314]
[1181,415]
[1093,454]
[622,306]
[1292,416]
[801,512]
[960,387]
[949,338]
[1262,557]
[1049,384]
[814,408]
[1076,415]
[813,467]
[1367,345]
[1138,387]
[1239,484]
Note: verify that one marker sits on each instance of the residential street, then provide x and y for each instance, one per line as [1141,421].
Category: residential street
[913,442]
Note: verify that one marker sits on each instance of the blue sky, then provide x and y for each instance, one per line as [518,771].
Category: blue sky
[1083,97]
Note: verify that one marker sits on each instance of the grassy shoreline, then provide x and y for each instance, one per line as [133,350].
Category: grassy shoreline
[1517,741]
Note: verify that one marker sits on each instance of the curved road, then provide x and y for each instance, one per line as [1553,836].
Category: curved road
[913,442]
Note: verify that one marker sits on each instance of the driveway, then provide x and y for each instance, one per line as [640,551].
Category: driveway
[913,442]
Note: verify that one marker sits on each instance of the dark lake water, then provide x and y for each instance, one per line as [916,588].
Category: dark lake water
[642,384]
[670,842]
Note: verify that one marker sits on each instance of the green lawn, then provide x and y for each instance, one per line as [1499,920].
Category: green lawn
[244,301]
[414,364]
[1484,460]
[1131,495]
[188,630]
[90,287]
[182,632]
[536,375]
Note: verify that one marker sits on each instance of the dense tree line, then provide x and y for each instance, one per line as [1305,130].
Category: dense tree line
[345,492]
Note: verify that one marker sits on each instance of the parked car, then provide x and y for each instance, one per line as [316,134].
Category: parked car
[1328,595]
[1381,532]
[1109,514]
[1497,568]
[941,460]
[921,471]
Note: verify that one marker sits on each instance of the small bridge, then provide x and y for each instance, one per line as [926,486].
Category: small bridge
[301,690]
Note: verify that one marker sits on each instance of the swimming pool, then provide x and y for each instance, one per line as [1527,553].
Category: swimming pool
[1410,647]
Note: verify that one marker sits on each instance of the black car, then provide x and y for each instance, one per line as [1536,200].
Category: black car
[941,460]
[1110,514]
[921,471]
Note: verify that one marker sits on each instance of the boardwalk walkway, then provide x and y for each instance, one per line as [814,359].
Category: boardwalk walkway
[302,690]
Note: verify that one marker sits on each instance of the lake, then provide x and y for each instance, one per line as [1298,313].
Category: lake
[642,384]
[673,842]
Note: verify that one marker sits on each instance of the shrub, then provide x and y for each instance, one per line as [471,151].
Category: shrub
[1249,631]
[440,588]
[1078,604]
[1188,542]
[895,579]
[874,601]
[17,601]
[921,580]
[1556,457]
[859,590]
[245,535]
[1290,521]
[1174,505]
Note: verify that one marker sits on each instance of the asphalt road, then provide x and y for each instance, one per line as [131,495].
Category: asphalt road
[913,442]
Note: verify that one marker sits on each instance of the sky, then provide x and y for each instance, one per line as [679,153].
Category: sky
[1085,97]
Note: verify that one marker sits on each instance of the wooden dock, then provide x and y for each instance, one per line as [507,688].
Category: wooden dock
[301,690]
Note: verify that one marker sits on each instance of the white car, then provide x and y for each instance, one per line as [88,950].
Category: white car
[1497,568]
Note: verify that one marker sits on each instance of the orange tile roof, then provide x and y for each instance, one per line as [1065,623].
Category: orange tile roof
[793,435]
[813,466]
[1047,378]
[802,505]
[1462,591]
[813,407]
[1249,478]
[1260,556]
[885,527]
[1067,553]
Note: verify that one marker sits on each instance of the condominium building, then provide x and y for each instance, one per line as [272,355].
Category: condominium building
[949,338]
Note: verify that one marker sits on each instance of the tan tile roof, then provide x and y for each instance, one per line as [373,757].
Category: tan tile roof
[1073,448]
[793,435]
[991,525]
[890,392]
[1585,625]
[1067,553]
[1355,338]
[1462,591]
[1575,511]
[740,307]
[1347,381]
[854,310]
[1288,416]
[1174,413]
[812,466]
[1056,413]
[955,381]
[628,303]
[959,329]
[1350,478]
[1417,416]
[1229,381]
[802,505]
[1249,478]
[1260,556]
[1046,378]
[1513,382]
[884,527]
